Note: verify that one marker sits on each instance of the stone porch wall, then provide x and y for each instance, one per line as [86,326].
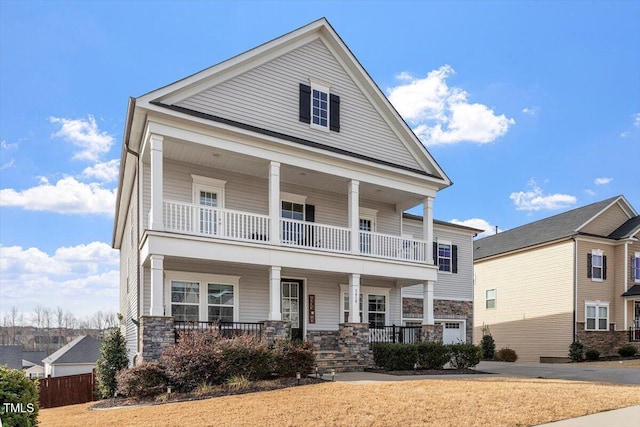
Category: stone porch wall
[353,340]
[606,342]
[276,329]
[156,335]
[323,340]
[442,309]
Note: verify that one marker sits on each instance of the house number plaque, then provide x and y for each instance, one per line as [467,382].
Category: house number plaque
[312,309]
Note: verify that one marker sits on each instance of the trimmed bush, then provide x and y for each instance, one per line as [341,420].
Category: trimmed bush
[113,358]
[592,355]
[464,356]
[290,357]
[195,359]
[432,355]
[394,356]
[145,380]
[627,350]
[22,395]
[507,355]
[576,351]
[488,347]
[244,356]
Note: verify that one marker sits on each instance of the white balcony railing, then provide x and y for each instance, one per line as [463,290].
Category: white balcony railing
[200,220]
[312,235]
[392,247]
[215,222]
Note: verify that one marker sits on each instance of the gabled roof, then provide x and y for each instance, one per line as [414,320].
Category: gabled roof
[632,292]
[627,230]
[84,349]
[11,356]
[34,357]
[557,227]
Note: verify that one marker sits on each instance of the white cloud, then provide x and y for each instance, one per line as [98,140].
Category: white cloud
[636,120]
[440,114]
[532,111]
[624,134]
[103,171]
[82,279]
[602,181]
[479,223]
[67,196]
[8,164]
[84,134]
[534,199]
[590,192]
[5,146]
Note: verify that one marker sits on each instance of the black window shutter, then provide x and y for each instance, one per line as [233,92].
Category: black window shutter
[305,103]
[454,258]
[589,265]
[435,253]
[604,268]
[334,113]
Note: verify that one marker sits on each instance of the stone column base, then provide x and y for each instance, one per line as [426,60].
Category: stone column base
[273,330]
[156,335]
[353,340]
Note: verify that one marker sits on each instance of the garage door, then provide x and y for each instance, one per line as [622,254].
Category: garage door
[453,332]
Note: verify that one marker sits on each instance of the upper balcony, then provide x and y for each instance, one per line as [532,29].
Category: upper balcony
[243,195]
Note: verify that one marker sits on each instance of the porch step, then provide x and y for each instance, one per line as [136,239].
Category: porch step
[328,360]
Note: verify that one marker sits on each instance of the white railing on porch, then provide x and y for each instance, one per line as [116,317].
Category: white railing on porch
[312,235]
[392,247]
[200,220]
[215,222]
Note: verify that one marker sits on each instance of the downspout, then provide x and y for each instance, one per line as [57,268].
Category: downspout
[575,287]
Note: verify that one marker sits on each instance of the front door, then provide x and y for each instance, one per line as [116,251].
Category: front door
[636,314]
[292,309]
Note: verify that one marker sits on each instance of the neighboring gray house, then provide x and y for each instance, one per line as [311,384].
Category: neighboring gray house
[77,357]
[267,193]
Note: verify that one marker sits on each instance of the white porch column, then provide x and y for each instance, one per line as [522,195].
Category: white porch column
[354,298]
[274,204]
[427,304]
[275,312]
[354,215]
[155,213]
[157,279]
[427,227]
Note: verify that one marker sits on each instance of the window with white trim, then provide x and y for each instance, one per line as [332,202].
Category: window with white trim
[490,298]
[318,106]
[367,223]
[636,267]
[196,297]
[373,305]
[444,256]
[596,264]
[596,316]
[208,194]
[292,206]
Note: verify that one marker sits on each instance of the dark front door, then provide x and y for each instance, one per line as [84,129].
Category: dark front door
[292,309]
[636,314]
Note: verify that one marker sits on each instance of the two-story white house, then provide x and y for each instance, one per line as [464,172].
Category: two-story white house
[267,193]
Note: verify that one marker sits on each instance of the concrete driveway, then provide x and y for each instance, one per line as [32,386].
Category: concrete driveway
[563,371]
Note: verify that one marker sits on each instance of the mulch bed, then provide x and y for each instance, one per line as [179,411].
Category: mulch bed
[216,391]
[428,372]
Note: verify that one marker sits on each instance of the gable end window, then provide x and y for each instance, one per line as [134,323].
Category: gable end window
[596,265]
[319,108]
[445,256]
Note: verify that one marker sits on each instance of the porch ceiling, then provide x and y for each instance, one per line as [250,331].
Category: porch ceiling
[239,163]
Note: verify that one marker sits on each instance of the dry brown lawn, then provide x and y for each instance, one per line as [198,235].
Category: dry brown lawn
[472,402]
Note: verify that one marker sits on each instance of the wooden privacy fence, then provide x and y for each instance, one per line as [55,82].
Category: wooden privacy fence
[68,390]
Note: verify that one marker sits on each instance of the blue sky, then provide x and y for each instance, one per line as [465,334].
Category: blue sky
[531,108]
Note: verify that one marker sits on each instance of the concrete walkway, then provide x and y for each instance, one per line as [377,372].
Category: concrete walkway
[626,417]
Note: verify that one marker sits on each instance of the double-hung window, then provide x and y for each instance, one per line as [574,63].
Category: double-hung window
[319,107]
[490,298]
[597,265]
[193,297]
[444,256]
[596,316]
[373,305]
[208,194]
[635,267]
[185,300]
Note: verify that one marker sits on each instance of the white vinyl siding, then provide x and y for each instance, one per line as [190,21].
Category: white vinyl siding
[267,97]
[129,279]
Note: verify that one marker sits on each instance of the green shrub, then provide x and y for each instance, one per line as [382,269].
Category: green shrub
[592,355]
[113,358]
[194,359]
[395,357]
[290,357]
[627,350]
[576,351]
[464,356]
[507,355]
[22,396]
[432,355]
[244,356]
[488,347]
[145,380]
